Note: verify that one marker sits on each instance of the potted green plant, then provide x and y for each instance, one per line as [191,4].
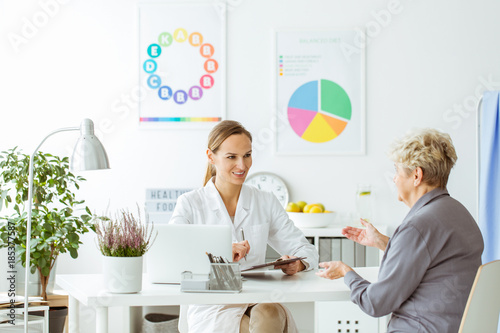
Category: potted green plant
[123,241]
[58,218]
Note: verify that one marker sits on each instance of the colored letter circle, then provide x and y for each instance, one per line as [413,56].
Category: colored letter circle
[207,81]
[180,97]
[207,50]
[180,35]
[154,50]
[150,66]
[165,39]
[154,81]
[195,93]
[165,93]
[195,39]
[211,66]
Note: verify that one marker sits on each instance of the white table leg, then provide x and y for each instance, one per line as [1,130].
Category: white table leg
[46,321]
[101,314]
[73,315]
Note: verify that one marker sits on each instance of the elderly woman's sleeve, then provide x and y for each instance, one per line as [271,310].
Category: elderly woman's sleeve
[405,263]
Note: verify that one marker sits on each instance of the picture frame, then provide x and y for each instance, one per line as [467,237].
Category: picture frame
[182,65]
[319,92]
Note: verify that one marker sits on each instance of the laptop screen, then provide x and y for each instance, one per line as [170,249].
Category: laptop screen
[183,247]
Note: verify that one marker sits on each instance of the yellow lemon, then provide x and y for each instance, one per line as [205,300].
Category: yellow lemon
[301,204]
[315,209]
[292,207]
[327,211]
[320,205]
[307,208]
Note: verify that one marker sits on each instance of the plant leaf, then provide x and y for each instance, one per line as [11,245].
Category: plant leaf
[73,253]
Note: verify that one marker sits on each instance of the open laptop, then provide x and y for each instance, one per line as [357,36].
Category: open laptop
[182,247]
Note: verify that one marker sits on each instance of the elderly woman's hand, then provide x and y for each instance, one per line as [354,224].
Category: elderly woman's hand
[368,237]
[333,270]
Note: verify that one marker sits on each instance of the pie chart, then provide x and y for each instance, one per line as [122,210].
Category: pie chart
[319,111]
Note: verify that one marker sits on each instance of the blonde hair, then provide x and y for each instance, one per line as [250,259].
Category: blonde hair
[217,136]
[429,149]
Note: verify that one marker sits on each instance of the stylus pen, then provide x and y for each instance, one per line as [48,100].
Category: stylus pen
[243,238]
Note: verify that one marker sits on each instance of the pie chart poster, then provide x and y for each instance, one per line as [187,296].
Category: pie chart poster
[320,92]
[181,65]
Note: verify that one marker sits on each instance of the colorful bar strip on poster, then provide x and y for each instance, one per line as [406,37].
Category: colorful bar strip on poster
[181,119]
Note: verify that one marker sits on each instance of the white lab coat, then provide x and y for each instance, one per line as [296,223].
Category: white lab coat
[264,221]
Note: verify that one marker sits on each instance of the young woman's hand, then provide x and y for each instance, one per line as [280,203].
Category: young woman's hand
[240,250]
[291,268]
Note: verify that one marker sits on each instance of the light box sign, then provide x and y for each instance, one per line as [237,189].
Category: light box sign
[165,193]
[160,203]
[160,206]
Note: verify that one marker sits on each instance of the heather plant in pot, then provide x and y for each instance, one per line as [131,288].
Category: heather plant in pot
[123,241]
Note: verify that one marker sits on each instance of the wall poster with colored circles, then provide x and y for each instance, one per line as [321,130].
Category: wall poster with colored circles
[182,65]
[320,92]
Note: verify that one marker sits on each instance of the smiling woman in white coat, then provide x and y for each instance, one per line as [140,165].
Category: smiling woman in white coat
[225,199]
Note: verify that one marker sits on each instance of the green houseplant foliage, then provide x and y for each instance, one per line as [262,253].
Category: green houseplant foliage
[58,218]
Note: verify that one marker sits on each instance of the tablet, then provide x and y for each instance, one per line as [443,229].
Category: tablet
[278,262]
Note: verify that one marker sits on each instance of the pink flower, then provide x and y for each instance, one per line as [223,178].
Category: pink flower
[125,236]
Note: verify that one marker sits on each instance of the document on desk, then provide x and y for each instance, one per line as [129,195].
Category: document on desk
[5,301]
[278,262]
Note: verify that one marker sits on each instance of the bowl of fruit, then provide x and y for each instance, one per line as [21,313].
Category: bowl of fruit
[306,215]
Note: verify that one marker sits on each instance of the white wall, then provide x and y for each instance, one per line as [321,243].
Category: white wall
[425,66]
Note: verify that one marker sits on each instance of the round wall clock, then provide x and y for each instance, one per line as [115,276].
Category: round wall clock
[269,182]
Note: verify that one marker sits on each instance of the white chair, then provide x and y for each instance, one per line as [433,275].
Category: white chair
[35,323]
[483,306]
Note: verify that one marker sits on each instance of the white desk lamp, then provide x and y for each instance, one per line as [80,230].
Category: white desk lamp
[88,154]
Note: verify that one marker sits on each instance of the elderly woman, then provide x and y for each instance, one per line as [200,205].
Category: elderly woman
[430,262]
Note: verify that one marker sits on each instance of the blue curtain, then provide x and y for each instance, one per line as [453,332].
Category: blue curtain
[489,175]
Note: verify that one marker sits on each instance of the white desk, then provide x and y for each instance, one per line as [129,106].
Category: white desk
[259,287]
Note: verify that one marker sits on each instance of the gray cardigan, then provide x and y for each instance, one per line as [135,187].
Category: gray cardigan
[427,269]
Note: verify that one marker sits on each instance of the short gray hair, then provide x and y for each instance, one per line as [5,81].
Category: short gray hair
[429,149]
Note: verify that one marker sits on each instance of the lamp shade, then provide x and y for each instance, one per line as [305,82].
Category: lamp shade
[89,153]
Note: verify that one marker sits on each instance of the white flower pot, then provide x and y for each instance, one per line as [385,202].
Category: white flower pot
[122,275]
